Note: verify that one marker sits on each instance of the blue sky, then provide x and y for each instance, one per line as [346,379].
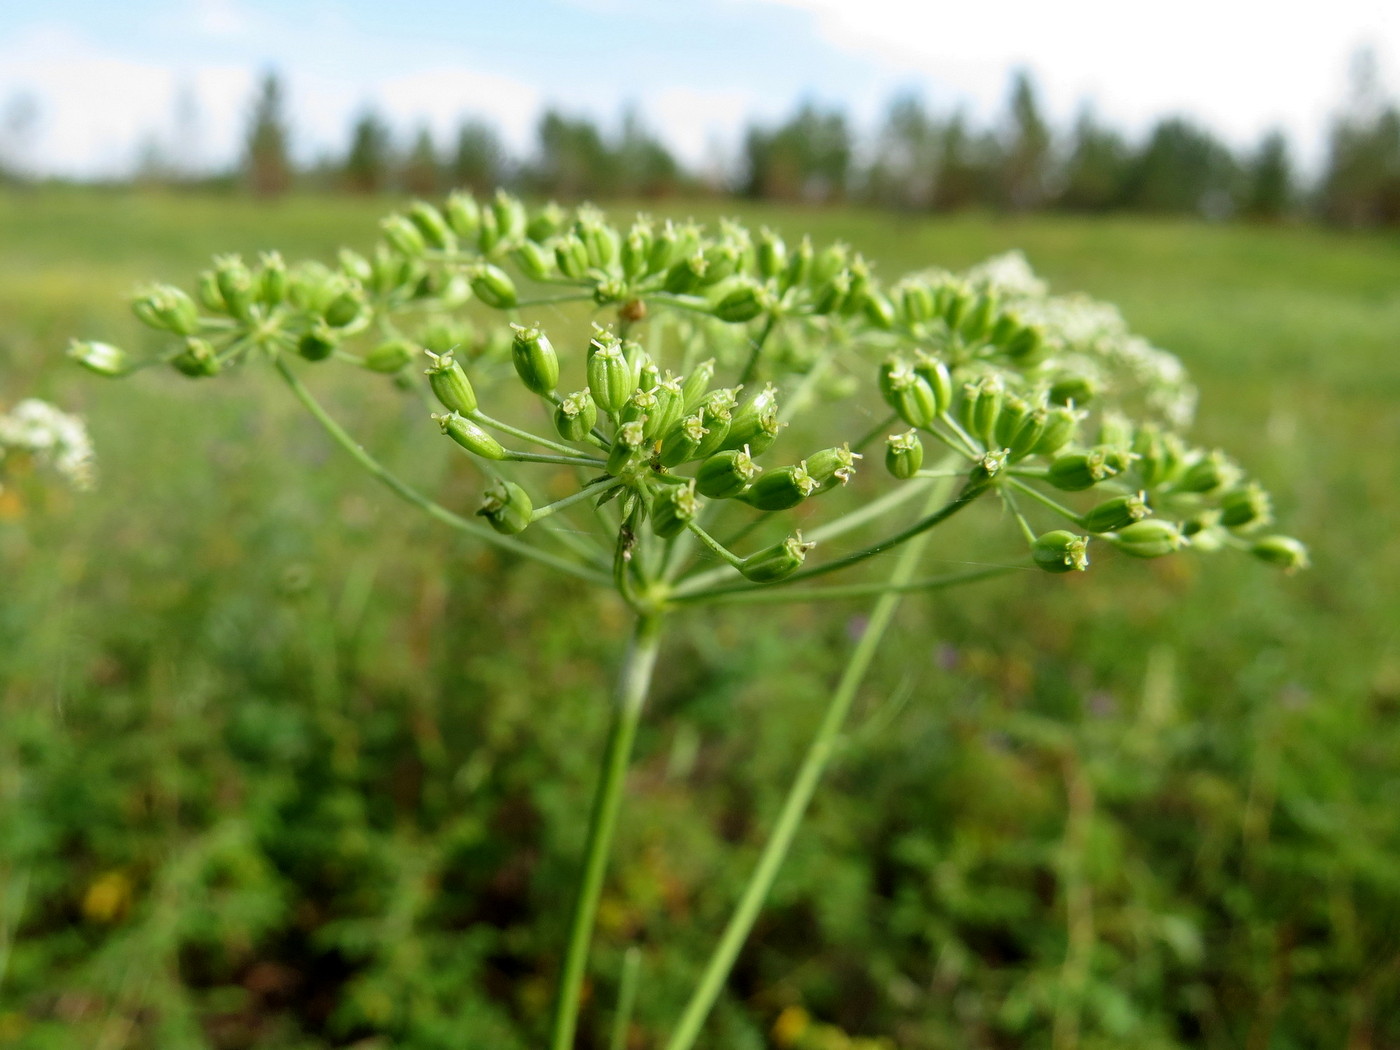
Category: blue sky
[106,77]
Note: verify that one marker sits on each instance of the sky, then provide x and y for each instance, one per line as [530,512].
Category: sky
[86,84]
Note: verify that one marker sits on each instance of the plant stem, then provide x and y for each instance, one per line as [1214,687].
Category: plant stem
[626,998]
[714,544]
[523,435]
[799,795]
[412,495]
[760,594]
[751,366]
[627,711]
[564,461]
[587,492]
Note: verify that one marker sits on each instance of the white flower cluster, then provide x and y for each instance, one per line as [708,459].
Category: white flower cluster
[50,436]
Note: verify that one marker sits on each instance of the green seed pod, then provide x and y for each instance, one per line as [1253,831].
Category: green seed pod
[1246,507]
[610,290]
[756,422]
[721,261]
[717,417]
[977,325]
[463,214]
[771,254]
[535,361]
[1014,412]
[571,256]
[935,373]
[392,355]
[402,236]
[600,241]
[272,279]
[1061,551]
[318,342]
[1060,426]
[664,248]
[891,375]
[628,443]
[545,223]
[1076,471]
[355,266]
[916,303]
[510,216]
[450,384]
[493,286]
[1029,434]
[777,562]
[830,261]
[981,405]
[799,266]
[1204,532]
[506,507]
[639,408]
[1073,390]
[1027,346]
[989,466]
[235,283]
[166,308]
[878,310]
[102,359]
[198,361]
[636,251]
[535,261]
[669,406]
[1284,551]
[726,474]
[780,489]
[1115,429]
[470,436]
[207,291]
[685,276]
[1152,538]
[611,377]
[1160,454]
[675,507]
[909,394]
[576,416]
[832,466]
[680,443]
[432,227]
[1210,472]
[346,303]
[1117,513]
[738,300]
[904,454]
[831,295]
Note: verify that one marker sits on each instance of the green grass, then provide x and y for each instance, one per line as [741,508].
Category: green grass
[331,762]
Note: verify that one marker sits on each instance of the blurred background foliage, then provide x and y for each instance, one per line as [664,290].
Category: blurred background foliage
[284,766]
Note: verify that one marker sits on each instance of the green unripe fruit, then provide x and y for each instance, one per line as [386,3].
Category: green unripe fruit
[669,404]
[493,286]
[756,416]
[1029,434]
[685,276]
[1060,426]
[1060,551]
[470,436]
[879,311]
[1076,471]
[799,266]
[199,360]
[981,405]
[319,342]
[682,442]
[721,261]
[935,373]
[1159,454]
[506,508]
[235,285]
[571,256]
[639,408]
[1284,551]
[450,384]
[717,417]
[916,304]
[636,251]
[535,261]
[1014,412]
[1115,429]
[545,223]
[611,377]
[738,300]
[207,291]
[510,216]
[1211,472]
[911,397]
[780,489]
[904,454]
[1245,507]
[576,416]
[1152,538]
[674,508]
[390,356]
[535,361]
[463,214]
[1027,346]
[629,441]
[770,254]
[726,474]
[978,323]
[102,359]
[1116,513]
[402,236]
[167,309]
[429,222]
[272,279]
[777,562]
[600,241]
[1072,390]
[831,295]
[344,306]
[832,466]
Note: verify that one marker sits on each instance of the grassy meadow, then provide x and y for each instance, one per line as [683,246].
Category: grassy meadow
[283,765]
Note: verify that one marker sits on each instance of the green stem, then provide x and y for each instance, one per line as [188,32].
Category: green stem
[412,495]
[799,796]
[566,461]
[874,432]
[714,544]
[523,435]
[1046,501]
[626,998]
[550,300]
[607,799]
[751,594]
[751,366]
[587,492]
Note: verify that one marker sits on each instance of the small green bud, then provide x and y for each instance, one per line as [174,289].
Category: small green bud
[976,326]
[916,303]
[911,396]
[879,311]
[610,290]
[1027,346]
[470,436]
[463,214]
[104,359]
[630,439]
[431,225]
[832,466]
[685,276]
[207,291]
[1075,471]
[167,309]
[831,295]
[571,256]
[935,373]
[1029,434]
[493,286]
[355,266]
[992,463]
[318,342]
[981,405]
[1072,390]
[510,216]
[576,416]
[770,254]
[738,299]
[1117,513]
[904,454]
[636,251]
[450,384]
[1014,412]
[1284,551]
[402,236]
[640,407]
[799,266]
[198,361]
[272,279]
[781,489]
[669,405]
[718,416]
[1246,507]
[1160,454]
[535,361]
[600,241]
[777,562]
[674,507]
[345,305]
[611,377]
[535,261]
[235,285]
[1061,551]
[1060,424]
[726,474]
[1151,538]
[680,443]
[1210,472]
[392,355]
[1115,429]
[545,223]
[756,423]
[506,507]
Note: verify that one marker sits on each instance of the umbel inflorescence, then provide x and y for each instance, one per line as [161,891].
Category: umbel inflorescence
[705,347]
